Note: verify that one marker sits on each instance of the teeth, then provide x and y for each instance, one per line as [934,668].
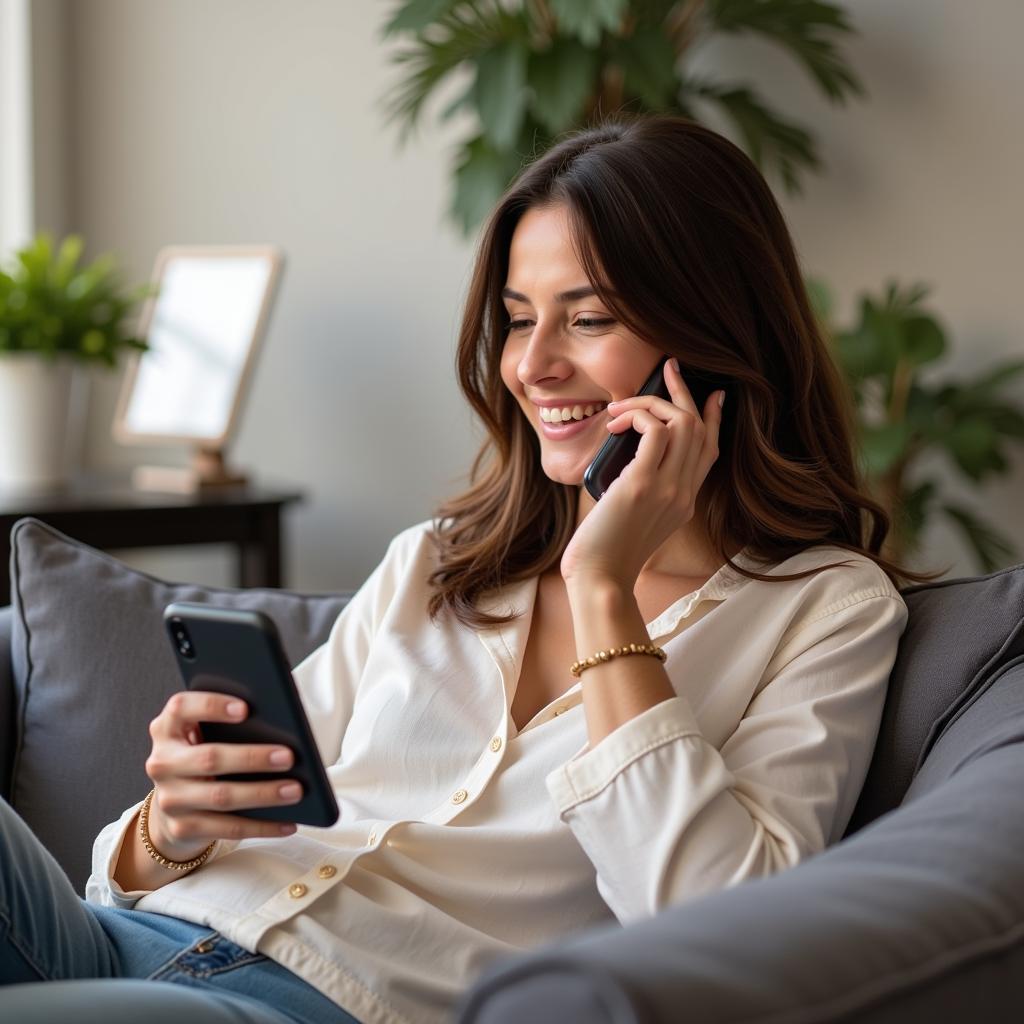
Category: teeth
[569,412]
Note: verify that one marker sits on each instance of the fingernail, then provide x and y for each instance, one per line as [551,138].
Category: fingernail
[236,709]
[675,363]
[616,402]
[281,757]
[287,830]
[290,790]
[721,399]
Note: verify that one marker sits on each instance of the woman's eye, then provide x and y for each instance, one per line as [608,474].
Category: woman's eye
[584,322]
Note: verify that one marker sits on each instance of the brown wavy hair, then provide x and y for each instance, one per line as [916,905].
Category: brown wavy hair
[682,239]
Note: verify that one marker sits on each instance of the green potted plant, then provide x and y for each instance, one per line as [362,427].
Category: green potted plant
[538,68]
[901,417]
[55,314]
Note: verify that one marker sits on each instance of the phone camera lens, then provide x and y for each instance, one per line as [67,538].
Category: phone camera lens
[181,639]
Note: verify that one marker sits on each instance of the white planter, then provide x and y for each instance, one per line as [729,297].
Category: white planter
[35,395]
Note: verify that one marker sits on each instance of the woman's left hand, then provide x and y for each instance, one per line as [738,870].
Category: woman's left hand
[657,491]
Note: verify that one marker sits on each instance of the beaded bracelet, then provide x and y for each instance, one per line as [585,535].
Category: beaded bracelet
[173,865]
[579,667]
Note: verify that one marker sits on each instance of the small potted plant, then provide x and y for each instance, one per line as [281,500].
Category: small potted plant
[54,315]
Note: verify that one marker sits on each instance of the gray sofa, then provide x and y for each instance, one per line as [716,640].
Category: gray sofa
[916,915]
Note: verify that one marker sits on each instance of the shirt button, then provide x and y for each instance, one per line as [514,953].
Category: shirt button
[496,744]
[297,891]
[371,838]
[327,871]
[560,710]
[458,796]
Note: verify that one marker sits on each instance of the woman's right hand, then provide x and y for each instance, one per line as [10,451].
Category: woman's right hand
[191,807]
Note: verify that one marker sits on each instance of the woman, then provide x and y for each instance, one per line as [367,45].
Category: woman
[500,782]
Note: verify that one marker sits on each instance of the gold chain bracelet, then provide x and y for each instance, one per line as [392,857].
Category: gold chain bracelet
[173,865]
[579,667]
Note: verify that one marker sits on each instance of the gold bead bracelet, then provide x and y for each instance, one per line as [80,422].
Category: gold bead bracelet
[579,667]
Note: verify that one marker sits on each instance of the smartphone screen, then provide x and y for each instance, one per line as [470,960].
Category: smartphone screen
[239,653]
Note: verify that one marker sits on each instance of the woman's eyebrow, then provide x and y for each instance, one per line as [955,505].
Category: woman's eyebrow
[570,296]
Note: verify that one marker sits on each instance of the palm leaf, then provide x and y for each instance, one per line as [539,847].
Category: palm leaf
[463,34]
[772,142]
[416,15]
[804,27]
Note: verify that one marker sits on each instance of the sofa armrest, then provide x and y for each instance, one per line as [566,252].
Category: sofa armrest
[915,918]
[7,705]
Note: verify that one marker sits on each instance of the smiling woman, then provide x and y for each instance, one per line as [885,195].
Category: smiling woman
[542,712]
[623,243]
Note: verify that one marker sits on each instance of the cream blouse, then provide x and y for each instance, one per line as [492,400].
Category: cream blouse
[462,840]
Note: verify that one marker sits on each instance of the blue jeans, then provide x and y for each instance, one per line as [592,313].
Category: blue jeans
[48,933]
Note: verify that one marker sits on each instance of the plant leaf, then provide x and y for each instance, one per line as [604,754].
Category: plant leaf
[914,506]
[460,36]
[992,549]
[648,62]
[1007,421]
[870,348]
[882,445]
[972,444]
[923,339]
[585,19]
[416,15]
[561,77]
[979,393]
[500,92]
[821,298]
[48,303]
[773,143]
[480,178]
[806,28]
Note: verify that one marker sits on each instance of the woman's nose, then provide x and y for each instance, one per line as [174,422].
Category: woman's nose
[543,357]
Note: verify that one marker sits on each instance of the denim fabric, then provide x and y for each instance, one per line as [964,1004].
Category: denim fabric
[48,933]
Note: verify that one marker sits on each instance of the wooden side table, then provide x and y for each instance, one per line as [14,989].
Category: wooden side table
[110,515]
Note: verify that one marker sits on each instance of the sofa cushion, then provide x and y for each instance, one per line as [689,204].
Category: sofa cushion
[92,667]
[959,634]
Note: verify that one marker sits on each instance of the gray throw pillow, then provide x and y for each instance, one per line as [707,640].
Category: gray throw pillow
[92,668]
[960,632]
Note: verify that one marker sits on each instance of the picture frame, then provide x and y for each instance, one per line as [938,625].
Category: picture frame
[204,328]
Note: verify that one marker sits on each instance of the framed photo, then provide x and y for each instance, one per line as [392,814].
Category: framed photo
[203,326]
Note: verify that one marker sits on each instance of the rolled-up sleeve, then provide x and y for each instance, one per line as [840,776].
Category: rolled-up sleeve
[664,816]
[101,887]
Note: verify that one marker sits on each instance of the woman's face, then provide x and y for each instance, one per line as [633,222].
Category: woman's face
[565,356]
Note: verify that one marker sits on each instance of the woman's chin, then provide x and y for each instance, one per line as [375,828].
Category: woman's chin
[562,472]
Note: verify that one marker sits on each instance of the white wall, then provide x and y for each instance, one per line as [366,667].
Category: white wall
[258,120]
[252,121]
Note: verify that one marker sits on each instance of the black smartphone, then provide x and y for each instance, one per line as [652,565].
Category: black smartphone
[239,653]
[620,449]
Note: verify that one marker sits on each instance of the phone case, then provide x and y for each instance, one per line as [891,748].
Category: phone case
[620,449]
[239,653]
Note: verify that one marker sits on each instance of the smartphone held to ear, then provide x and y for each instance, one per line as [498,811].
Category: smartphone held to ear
[239,653]
[620,449]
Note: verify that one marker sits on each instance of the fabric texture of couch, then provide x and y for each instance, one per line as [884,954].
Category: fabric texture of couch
[916,915]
